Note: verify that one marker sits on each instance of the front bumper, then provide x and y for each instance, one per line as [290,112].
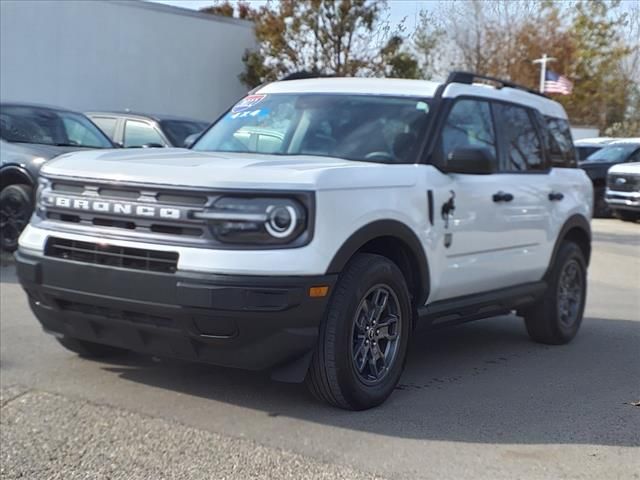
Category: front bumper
[246,322]
[623,200]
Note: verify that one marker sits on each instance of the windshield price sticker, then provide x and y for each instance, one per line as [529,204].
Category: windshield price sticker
[247,103]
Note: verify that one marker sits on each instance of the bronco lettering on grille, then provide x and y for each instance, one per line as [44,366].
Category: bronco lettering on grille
[115,208]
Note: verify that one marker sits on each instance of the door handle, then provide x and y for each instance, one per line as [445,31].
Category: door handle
[556,196]
[502,197]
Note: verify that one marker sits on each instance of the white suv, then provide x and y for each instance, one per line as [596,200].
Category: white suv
[314,227]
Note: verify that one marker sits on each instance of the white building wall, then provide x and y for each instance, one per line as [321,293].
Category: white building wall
[112,55]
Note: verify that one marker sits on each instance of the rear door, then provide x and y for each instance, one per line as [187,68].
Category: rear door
[525,174]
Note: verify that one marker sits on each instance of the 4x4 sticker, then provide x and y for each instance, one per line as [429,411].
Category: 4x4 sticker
[248,102]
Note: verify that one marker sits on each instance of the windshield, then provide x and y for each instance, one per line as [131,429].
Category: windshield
[22,124]
[178,130]
[355,127]
[612,153]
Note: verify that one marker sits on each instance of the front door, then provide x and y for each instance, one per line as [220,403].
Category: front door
[489,239]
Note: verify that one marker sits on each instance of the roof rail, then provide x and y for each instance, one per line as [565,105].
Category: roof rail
[469,77]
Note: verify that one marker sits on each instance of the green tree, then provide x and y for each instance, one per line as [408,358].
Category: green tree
[397,62]
[325,37]
[601,90]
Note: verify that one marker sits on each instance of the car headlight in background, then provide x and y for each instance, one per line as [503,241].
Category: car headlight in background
[256,221]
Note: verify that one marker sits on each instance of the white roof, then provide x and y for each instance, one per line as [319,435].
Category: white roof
[377,86]
[413,88]
[626,140]
[594,141]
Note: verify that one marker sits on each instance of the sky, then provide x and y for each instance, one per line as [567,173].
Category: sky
[399,9]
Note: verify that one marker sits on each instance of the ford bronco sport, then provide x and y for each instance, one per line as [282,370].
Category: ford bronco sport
[314,227]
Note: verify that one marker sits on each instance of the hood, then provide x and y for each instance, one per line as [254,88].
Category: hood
[188,168]
[632,168]
[46,151]
[24,153]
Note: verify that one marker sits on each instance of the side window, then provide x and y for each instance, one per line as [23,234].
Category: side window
[79,134]
[469,125]
[635,156]
[559,143]
[523,149]
[106,124]
[137,134]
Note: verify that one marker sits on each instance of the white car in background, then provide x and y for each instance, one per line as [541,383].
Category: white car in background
[623,191]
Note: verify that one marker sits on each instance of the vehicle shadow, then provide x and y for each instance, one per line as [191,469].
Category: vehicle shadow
[479,382]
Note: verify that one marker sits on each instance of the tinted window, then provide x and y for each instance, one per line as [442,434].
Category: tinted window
[178,130]
[523,150]
[137,134]
[559,142]
[107,125]
[23,124]
[469,125]
[613,153]
[371,128]
[584,152]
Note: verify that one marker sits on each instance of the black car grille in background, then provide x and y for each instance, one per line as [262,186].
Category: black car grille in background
[111,255]
[623,183]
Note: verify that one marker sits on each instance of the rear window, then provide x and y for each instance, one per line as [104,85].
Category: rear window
[559,143]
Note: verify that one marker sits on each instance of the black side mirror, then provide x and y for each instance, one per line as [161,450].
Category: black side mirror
[473,160]
[190,140]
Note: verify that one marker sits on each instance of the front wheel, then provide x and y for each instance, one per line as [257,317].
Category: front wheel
[16,207]
[556,318]
[363,340]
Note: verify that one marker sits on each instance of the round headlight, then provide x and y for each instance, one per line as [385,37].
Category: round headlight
[281,220]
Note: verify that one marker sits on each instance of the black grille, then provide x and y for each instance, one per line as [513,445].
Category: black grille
[111,255]
[624,183]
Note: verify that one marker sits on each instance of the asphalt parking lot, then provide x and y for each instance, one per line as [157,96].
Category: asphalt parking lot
[476,401]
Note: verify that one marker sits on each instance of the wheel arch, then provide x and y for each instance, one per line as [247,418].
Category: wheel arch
[15,174]
[578,230]
[397,242]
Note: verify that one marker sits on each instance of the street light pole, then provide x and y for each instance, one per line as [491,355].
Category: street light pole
[543,69]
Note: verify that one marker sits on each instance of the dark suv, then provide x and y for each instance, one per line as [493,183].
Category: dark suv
[131,130]
[597,164]
[29,136]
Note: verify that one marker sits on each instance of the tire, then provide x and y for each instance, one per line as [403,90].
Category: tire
[334,376]
[89,349]
[626,216]
[600,206]
[545,321]
[16,207]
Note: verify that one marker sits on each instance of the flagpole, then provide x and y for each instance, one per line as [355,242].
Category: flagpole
[543,69]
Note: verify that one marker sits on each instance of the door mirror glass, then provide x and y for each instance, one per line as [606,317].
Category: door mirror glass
[473,160]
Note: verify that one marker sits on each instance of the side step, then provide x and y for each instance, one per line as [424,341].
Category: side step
[482,305]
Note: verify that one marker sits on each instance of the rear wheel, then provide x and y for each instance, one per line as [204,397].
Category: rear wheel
[89,349]
[363,341]
[16,206]
[556,318]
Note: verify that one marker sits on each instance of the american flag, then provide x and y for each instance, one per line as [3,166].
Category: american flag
[554,83]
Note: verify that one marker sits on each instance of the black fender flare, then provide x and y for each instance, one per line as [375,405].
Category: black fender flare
[398,231]
[575,222]
[15,169]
